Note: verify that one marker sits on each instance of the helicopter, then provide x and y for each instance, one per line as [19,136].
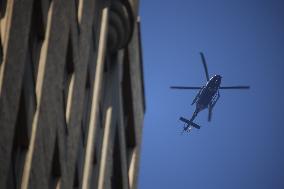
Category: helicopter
[207,96]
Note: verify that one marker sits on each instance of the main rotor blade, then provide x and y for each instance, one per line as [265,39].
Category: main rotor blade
[204,65]
[236,87]
[182,87]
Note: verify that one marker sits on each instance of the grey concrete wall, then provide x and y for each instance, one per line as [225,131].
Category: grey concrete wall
[62,114]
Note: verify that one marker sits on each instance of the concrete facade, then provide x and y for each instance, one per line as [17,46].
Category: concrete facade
[71,94]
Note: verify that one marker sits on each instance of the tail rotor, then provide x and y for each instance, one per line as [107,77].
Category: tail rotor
[188,125]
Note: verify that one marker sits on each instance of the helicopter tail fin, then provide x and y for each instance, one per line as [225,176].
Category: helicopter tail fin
[189,123]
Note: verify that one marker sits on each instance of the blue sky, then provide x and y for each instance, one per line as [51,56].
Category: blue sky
[243,146]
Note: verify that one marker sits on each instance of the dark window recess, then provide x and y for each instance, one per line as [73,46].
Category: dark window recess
[101,123]
[128,109]
[17,162]
[96,157]
[92,56]
[116,178]
[94,35]
[21,131]
[91,69]
[76,178]
[107,64]
[77,5]
[87,107]
[37,32]
[109,60]
[55,173]
[95,38]
[26,111]
[3,4]
[83,131]
[79,165]
[95,173]
[20,145]
[29,92]
[68,74]
[95,160]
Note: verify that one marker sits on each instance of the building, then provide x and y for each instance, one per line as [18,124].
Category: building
[71,94]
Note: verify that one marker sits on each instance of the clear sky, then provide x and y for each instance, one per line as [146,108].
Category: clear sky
[243,146]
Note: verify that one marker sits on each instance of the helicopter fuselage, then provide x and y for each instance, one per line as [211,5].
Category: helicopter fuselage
[207,96]
[208,92]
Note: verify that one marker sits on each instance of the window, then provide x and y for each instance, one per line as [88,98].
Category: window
[101,124]
[20,145]
[95,173]
[86,108]
[37,32]
[76,179]
[107,64]
[26,111]
[116,177]
[55,174]
[3,4]
[79,165]
[128,109]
